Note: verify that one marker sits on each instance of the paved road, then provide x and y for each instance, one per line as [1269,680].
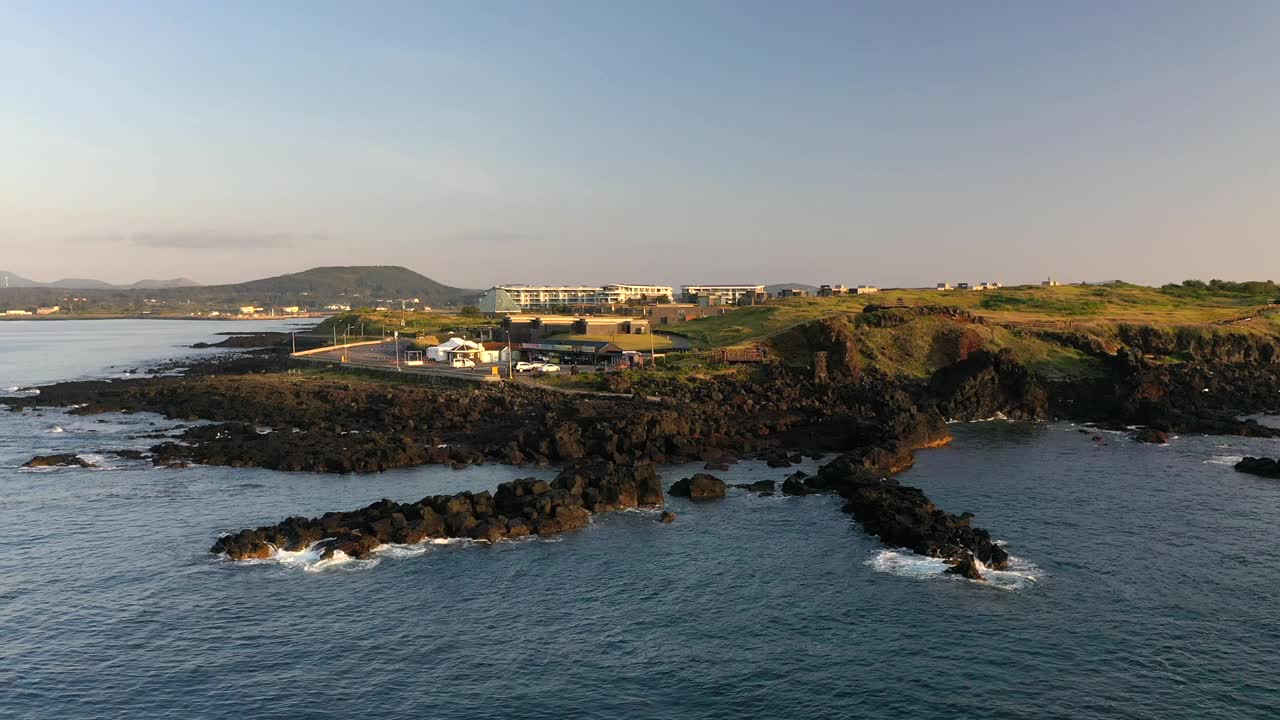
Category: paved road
[383,357]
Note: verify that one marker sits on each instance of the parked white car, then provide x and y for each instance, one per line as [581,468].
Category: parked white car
[461,362]
[548,367]
[526,366]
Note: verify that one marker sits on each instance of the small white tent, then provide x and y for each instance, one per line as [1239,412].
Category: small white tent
[440,353]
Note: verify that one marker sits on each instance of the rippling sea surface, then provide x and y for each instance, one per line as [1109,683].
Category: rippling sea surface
[1148,586]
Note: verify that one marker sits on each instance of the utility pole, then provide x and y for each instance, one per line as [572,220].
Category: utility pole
[509,375]
[398,351]
[293,337]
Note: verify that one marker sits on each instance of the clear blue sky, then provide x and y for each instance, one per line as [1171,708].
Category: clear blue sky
[482,142]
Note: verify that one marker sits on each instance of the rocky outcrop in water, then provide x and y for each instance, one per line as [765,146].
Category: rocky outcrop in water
[518,508]
[759,487]
[899,515]
[699,487]
[1262,467]
[1151,436]
[58,460]
[966,566]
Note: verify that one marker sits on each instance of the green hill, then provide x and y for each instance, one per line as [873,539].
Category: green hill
[354,285]
[310,289]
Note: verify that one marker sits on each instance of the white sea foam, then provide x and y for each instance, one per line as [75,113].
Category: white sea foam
[998,417]
[1223,460]
[905,563]
[99,462]
[311,558]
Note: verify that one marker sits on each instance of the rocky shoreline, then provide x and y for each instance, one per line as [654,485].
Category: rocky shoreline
[608,445]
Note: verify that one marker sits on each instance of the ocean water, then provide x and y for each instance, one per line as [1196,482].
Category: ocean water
[1148,586]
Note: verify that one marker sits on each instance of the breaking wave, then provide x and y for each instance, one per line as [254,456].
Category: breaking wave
[1223,460]
[904,563]
[311,559]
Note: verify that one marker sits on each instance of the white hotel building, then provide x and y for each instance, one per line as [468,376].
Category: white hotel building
[542,297]
[719,294]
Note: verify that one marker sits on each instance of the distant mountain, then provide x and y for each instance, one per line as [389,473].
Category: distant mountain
[8,279]
[178,282]
[775,289]
[355,286]
[311,289]
[91,284]
[81,284]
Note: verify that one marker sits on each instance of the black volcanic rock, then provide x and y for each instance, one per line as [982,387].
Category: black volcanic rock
[759,486]
[986,384]
[1262,467]
[1152,436]
[903,516]
[699,487]
[965,566]
[58,460]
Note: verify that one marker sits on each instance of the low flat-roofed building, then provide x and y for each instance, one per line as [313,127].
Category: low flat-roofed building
[720,294]
[945,286]
[47,310]
[1050,283]
[832,290]
[673,313]
[578,352]
[864,290]
[531,327]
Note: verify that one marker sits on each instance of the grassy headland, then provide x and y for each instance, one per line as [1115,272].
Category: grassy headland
[1015,306]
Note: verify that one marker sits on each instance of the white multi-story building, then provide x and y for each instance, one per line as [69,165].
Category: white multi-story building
[542,297]
[719,294]
[539,297]
[618,293]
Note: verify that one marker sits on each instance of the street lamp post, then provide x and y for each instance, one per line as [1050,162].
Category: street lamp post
[398,351]
[509,375]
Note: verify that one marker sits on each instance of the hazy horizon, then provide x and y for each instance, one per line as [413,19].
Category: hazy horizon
[673,143]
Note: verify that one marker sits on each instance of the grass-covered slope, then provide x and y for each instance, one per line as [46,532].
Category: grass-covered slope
[377,323]
[1026,306]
